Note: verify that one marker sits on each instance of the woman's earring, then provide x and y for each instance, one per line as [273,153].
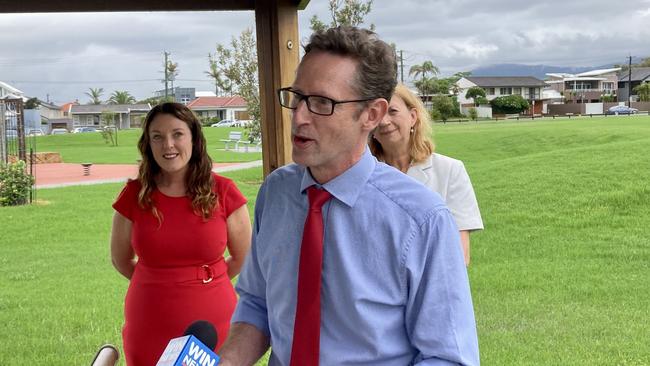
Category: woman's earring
[412,130]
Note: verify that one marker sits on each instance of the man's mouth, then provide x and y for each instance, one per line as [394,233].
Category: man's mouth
[301,140]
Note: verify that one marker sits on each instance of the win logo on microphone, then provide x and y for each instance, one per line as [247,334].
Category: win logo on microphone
[187,351]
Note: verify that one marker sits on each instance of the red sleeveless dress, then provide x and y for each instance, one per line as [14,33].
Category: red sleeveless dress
[181,275]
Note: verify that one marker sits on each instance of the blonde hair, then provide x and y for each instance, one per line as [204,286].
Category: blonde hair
[421,144]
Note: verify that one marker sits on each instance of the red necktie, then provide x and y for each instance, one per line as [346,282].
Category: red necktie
[306,329]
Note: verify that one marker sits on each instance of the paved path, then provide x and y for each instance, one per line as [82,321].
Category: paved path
[69,174]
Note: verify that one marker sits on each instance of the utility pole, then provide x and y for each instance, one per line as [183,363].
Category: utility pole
[629,82]
[401,65]
[166,77]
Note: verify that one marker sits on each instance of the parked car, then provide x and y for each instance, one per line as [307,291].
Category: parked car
[34,132]
[226,123]
[58,131]
[88,129]
[621,109]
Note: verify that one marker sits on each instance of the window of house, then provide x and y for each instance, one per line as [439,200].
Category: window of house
[89,120]
[516,91]
[505,91]
[75,120]
[489,91]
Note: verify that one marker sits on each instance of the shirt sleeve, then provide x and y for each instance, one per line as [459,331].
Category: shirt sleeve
[230,197]
[462,200]
[127,200]
[251,285]
[439,312]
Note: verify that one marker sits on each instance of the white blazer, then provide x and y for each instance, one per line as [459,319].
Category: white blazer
[448,177]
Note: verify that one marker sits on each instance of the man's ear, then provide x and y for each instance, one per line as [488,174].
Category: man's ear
[377,109]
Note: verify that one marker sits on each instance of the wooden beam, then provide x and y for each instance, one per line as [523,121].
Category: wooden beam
[277,52]
[40,6]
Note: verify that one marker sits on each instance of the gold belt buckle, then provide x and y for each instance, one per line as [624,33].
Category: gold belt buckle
[208,272]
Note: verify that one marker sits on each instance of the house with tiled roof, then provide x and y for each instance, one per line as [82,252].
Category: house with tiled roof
[126,115]
[233,107]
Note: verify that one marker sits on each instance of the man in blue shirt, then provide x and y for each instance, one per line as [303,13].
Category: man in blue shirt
[394,288]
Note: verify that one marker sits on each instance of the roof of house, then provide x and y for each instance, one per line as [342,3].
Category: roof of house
[217,102]
[115,108]
[638,74]
[10,88]
[66,106]
[505,81]
[599,72]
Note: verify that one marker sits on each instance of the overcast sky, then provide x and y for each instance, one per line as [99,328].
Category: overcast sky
[60,56]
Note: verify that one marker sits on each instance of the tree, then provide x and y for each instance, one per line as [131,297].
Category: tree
[474,92]
[444,105]
[472,113]
[221,84]
[509,104]
[643,90]
[109,132]
[344,12]
[153,101]
[424,86]
[32,103]
[121,97]
[239,65]
[172,73]
[95,94]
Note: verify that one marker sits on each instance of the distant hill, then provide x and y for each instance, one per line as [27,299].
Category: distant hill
[538,71]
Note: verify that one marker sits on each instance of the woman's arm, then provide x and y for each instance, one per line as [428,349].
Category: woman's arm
[122,254]
[464,243]
[239,239]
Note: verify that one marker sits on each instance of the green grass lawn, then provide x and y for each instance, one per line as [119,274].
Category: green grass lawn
[90,147]
[559,277]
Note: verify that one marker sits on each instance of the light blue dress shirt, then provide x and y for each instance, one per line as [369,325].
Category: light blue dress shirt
[394,285]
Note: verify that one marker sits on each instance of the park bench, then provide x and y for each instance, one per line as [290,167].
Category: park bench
[234,137]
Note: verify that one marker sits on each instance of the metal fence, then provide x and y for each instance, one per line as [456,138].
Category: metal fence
[14,144]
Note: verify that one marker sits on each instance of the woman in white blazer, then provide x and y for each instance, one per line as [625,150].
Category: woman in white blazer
[403,140]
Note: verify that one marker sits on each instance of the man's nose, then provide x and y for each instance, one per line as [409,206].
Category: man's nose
[301,114]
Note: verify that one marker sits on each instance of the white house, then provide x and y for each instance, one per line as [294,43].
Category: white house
[585,87]
[495,86]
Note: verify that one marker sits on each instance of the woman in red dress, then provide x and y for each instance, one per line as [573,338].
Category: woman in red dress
[170,230]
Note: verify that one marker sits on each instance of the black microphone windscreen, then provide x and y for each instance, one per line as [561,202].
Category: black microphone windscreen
[204,331]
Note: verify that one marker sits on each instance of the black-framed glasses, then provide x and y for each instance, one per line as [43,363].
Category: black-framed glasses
[316,104]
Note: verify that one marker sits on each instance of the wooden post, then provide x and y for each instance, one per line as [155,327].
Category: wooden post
[278,53]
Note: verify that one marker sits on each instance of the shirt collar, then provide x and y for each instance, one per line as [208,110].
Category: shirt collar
[348,186]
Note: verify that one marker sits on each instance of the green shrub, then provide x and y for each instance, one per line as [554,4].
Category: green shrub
[472,113]
[15,184]
[509,104]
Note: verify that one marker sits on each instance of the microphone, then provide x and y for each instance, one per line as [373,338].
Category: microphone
[106,356]
[191,348]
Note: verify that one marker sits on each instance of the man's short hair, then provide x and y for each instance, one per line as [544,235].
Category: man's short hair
[376,74]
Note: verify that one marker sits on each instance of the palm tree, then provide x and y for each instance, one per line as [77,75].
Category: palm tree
[95,94]
[422,70]
[121,97]
[644,91]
